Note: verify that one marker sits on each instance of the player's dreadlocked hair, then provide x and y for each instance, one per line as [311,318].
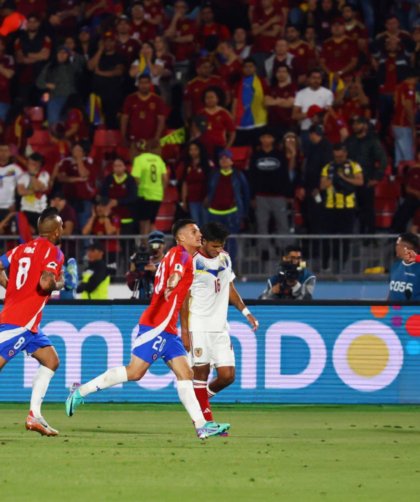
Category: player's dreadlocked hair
[180,224]
[215,232]
[50,212]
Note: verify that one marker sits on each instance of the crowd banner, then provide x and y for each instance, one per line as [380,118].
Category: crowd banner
[351,352]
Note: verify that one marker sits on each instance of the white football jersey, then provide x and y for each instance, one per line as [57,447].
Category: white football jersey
[210,292]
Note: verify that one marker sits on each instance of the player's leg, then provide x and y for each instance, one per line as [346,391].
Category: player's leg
[115,376]
[41,349]
[176,358]
[223,358]
[201,355]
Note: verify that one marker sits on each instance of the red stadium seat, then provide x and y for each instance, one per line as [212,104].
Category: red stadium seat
[404,165]
[241,156]
[171,195]
[387,190]
[164,223]
[40,137]
[167,209]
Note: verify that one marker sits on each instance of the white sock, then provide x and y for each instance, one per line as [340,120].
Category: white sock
[210,393]
[110,378]
[188,399]
[40,385]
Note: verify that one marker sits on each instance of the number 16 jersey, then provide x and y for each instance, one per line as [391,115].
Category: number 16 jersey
[25,299]
[210,293]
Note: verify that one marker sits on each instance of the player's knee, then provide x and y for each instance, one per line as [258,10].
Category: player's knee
[227,377]
[54,364]
[186,374]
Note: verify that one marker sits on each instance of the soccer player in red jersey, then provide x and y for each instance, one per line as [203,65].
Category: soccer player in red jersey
[34,273]
[158,334]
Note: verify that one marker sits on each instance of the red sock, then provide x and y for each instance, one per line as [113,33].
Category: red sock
[200,389]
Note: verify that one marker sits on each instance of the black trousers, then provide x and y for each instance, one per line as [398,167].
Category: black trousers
[337,222]
[365,197]
[404,214]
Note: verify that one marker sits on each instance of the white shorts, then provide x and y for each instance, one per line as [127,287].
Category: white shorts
[214,348]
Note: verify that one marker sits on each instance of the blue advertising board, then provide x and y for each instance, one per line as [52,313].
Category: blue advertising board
[300,354]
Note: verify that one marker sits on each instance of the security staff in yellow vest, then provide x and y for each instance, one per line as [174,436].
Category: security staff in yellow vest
[95,279]
[339,179]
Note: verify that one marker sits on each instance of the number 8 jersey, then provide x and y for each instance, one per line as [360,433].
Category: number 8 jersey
[25,299]
[163,314]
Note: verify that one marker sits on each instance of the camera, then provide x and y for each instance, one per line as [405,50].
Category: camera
[141,257]
[288,274]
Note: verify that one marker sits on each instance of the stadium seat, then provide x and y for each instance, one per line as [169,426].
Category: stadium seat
[171,195]
[241,156]
[104,138]
[387,190]
[167,209]
[298,217]
[164,223]
[404,165]
[40,137]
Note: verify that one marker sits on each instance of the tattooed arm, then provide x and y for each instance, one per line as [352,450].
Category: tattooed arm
[49,283]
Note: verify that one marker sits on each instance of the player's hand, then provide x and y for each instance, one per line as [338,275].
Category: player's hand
[168,292]
[410,255]
[253,322]
[185,337]
[276,289]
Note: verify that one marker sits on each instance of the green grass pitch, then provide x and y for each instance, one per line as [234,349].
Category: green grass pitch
[142,453]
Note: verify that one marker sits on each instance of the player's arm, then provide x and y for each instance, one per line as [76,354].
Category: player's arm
[50,283]
[237,302]
[183,315]
[172,283]
[4,264]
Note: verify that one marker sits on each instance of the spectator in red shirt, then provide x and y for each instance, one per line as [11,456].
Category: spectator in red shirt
[143,118]
[32,51]
[147,62]
[181,33]
[279,100]
[18,128]
[323,16]
[392,26]
[392,65]
[403,123]
[194,90]
[141,29]
[267,26]
[103,222]
[306,57]
[154,12]
[120,188]
[68,13]
[242,49]
[335,126]
[352,102]
[195,173]
[220,126]
[78,176]
[7,70]
[126,44]
[355,30]
[99,10]
[209,27]
[168,60]
[339,55]
[76,120]
[231,69]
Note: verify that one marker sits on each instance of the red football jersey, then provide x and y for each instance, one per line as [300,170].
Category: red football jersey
[25,299]
[163,314]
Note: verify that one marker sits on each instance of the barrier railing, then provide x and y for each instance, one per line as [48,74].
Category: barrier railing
[330,257]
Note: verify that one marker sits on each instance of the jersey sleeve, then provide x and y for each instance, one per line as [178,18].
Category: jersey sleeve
[179,262]
[53,261]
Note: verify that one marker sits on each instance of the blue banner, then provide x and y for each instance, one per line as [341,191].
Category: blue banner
[300,354]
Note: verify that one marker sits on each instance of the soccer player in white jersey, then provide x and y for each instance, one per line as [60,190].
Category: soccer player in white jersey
[204,326]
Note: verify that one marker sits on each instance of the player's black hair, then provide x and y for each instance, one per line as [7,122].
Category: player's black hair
[215,232]
[180,224]
[50,212]
[295,26]
[410,238]
[339,146]
[351,6]
[292,247]
[144,76]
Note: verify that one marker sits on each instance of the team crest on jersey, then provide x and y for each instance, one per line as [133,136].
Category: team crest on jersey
[198,352]
[178,268]
[52,265]
[11,353]
[155,356]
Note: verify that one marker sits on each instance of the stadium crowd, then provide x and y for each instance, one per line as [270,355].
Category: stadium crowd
[306,111]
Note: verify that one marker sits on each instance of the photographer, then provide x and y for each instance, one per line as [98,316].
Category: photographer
[292,280]
[144,264]
[339,179]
